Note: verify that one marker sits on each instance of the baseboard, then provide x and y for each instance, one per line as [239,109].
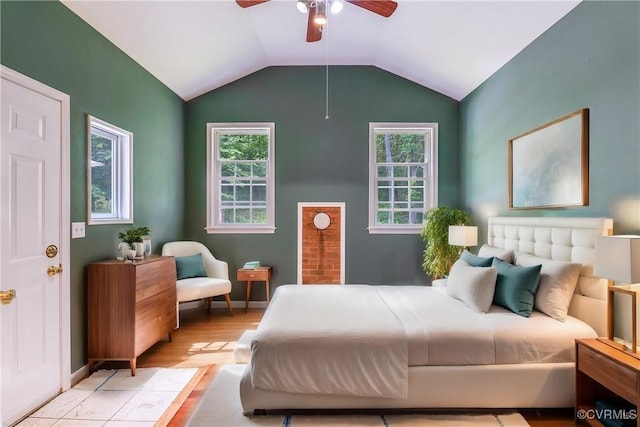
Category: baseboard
[79,375]
[223,304]
[240,304]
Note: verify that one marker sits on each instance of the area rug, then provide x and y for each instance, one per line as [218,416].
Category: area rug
[115,398]
[220,407]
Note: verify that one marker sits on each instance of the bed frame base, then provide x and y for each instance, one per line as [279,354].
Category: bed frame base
[535,385]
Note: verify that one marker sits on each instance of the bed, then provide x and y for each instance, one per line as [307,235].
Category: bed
[402,347]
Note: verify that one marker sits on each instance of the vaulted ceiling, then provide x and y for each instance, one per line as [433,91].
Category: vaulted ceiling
[450,46]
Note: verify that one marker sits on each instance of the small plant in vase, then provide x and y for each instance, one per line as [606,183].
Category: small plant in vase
[133,237]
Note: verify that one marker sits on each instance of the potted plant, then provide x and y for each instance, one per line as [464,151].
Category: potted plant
[439,255]
[134,235]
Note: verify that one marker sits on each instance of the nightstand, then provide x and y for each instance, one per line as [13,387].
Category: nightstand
[604,372]
[260,274]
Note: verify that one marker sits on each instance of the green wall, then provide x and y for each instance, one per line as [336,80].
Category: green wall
[320,160]
[49,43]
[591,58]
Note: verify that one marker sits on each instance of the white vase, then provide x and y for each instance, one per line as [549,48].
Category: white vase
[139,247]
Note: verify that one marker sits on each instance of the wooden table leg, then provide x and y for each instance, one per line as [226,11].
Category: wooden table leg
[267,282]
[246,306]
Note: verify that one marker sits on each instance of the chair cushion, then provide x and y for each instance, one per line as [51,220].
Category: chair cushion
[201,287]
[190,266]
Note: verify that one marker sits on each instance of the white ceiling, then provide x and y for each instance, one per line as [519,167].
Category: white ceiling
[193,47]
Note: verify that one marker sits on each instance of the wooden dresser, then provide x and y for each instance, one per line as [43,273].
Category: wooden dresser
[131,306]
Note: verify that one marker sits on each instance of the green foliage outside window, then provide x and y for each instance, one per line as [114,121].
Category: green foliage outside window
[400,158]
[101,174]
[243,188]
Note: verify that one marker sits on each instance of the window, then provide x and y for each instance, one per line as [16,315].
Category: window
[403,175]
[240,178]
[110,178]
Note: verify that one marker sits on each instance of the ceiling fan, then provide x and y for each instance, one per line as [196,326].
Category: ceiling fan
[317,10]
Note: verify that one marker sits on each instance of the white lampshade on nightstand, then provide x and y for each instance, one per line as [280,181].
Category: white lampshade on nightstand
[617,258]
[463,235]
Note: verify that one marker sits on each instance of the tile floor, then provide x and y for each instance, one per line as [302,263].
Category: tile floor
[113,398]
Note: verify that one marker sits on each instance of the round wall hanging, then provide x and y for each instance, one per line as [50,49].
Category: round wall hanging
[321,220]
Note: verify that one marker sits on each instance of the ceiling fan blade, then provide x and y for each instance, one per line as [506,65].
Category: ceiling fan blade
[381,7]
[314,31]
[249,3]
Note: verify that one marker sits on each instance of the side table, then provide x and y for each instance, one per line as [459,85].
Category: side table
[260,274]
[603,371]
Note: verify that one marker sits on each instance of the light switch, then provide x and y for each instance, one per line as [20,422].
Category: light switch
[77,230]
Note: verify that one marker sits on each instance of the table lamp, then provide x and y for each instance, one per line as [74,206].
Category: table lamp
[617,258]
[463,235]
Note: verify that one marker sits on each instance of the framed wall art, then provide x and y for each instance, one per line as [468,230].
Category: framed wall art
[549,165]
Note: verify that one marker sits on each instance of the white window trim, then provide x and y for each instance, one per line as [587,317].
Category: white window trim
[213,227]
[123,188]
[431,172]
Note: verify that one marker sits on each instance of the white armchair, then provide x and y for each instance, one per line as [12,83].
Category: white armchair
[193,288]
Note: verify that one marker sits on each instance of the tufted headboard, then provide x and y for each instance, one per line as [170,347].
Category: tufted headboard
[565,239]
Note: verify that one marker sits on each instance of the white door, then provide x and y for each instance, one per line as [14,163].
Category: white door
[31,325]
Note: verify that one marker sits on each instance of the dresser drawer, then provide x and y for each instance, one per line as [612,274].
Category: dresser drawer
[155,318]
[155,277]
[614,376]
[259,274]
[153,289]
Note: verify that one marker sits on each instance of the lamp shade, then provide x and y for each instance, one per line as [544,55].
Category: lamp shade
[463,235]
[617,258]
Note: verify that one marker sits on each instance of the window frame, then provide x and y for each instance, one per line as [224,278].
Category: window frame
[121,173]
[430,174]
[214,225]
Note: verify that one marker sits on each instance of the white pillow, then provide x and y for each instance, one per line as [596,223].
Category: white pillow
[472,285]
[487,251]
[558,281]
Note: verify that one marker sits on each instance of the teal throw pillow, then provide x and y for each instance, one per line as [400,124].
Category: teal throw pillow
[475,260]
[190,266]
[516,286]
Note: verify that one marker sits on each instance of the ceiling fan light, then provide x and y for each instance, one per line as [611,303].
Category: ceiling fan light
[336,6]
[302,6]
[320,17]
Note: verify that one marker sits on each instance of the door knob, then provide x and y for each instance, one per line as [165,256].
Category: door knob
[51,251]
[53,270]
[7,296]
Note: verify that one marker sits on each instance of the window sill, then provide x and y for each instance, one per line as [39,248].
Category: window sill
[240,230]
[395,230]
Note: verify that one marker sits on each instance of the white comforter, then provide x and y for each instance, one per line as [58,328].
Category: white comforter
[360,340]
[330,340]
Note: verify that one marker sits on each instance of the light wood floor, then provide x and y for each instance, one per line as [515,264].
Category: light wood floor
[207,340]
